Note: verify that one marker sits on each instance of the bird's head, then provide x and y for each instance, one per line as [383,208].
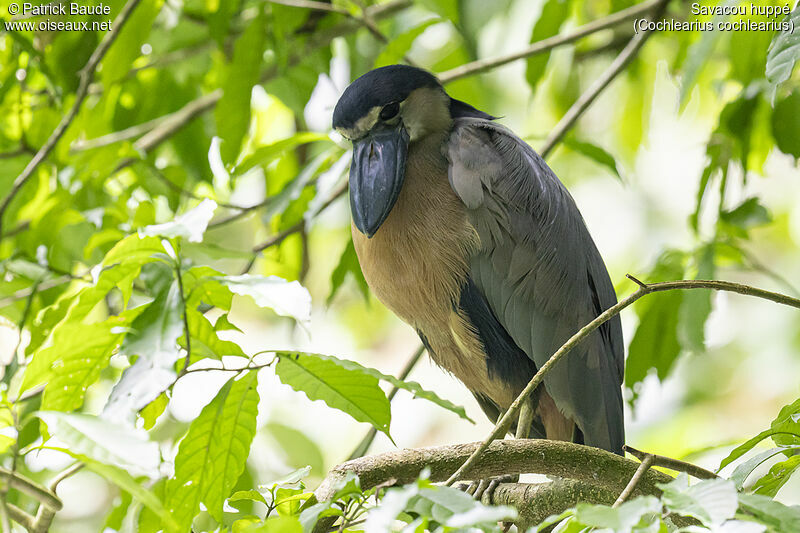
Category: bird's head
[381,113]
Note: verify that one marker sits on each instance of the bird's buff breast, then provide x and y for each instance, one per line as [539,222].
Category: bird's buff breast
[417,263]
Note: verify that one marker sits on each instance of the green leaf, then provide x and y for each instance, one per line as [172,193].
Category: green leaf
[286,298]
[455,508]
[784,430]
[749,214]
[205,341]
[348,264]
[219,20]
[153,410]
[81,353]
[788,418]
[775,514]
[655,342]
[595,153]
[352,391]
[712,501]
[251,495]
[279,524]
[410,386]
[622,518]
[266,154]
[212,455]
[699,53]
[134,248]
[127,483]
[232,114]
[154,339]
[74,352]
[447,9]
[696,305]
[743,471]
[190,225]
[396,49]
[127,46]
[202,286]
[104,441]
[784,51]
[778,475]
[553,15]
[786,123]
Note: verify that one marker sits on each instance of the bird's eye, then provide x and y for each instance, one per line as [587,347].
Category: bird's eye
[390,111]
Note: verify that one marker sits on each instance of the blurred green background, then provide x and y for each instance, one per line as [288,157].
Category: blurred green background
[684,167]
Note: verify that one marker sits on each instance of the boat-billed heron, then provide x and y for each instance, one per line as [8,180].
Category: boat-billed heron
[467,235]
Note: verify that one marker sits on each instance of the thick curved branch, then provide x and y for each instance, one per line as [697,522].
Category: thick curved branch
[589,474]
[545,45]
[86,76]
[589,96]
[501,428]
[537,501]
[515,456]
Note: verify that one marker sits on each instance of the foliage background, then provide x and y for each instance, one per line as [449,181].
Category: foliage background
[686,166]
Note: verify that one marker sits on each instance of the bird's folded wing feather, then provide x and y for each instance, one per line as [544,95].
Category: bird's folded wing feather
[540,272]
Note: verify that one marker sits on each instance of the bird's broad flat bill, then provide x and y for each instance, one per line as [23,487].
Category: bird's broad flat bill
[376,175]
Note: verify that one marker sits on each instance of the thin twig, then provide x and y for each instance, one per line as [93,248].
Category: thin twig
[180,190]
[589,96]
[644,466]
[311,4]
[366,442]
[185,311]
[64,474]
[22,150]
[86,76]
[673,464]
[115,137]
[280,237]
[223,369]
[19,228]
[482,65]
[170,124]
[510,415]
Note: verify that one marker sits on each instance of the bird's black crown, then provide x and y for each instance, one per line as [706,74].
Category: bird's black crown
[379,87]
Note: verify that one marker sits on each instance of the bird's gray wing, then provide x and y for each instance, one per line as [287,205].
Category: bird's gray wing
[540,272]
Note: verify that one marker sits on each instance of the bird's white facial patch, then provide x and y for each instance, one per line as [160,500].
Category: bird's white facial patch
[426,110]
[362,125]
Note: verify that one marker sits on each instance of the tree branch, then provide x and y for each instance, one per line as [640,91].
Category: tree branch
[673,464]
[86,76]
[589,469]
[644,466]
[164,127]
[311,4]
[589,96]
[279,237]
[482,65]
[501,428]
[27,486]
